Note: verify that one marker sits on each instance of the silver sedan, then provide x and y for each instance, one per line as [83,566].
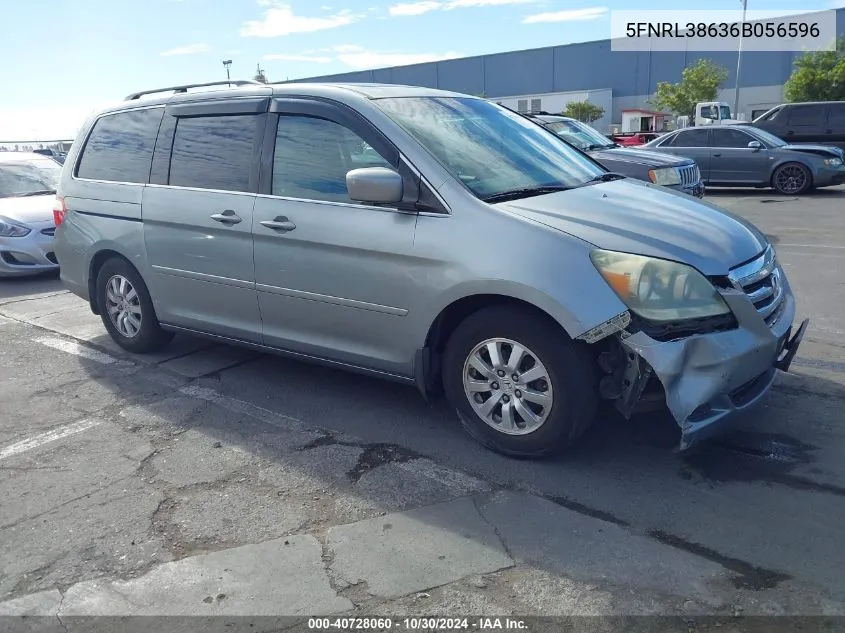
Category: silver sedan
[27,194]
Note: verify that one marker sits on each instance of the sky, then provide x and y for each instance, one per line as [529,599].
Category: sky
[63,59]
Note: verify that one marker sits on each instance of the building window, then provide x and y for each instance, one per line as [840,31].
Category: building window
[522,106]
[536,105]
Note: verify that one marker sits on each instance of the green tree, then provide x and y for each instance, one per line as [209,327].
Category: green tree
[818,76]
[583,111]
[699,82]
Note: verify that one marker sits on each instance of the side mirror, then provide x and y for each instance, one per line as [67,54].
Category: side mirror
[376,185]
[755,145]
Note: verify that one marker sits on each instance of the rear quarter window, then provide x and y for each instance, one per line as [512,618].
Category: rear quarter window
[120,147]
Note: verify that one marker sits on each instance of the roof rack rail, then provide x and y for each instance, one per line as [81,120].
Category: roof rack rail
[184,88]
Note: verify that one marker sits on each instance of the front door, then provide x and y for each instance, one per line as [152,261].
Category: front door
[692,143]
[732,161]
[198,221]
[334,277]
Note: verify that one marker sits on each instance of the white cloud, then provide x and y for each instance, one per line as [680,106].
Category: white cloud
[313,59]
[414,8]
[461,4]
[573,15]
[425,6]
[362,59]
[280,20]
[191,49]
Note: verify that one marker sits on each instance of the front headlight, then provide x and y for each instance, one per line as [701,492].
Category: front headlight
[10,228]
[657,289]
[664,176]
[832,162]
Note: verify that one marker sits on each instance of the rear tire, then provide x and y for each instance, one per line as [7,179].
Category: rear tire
[127,310]
[792,179]
[542,404]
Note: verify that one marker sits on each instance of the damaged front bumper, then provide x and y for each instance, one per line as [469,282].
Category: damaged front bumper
[709,377]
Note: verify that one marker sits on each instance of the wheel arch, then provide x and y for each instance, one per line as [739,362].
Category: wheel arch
[96,262]
[427,359]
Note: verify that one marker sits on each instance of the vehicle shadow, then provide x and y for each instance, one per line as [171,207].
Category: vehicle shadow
[715,501]
[21,287]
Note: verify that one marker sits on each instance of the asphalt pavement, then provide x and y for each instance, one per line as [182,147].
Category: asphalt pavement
[209,480]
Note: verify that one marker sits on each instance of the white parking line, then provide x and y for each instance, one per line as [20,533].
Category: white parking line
[72,347]
[50,436]
[243,407]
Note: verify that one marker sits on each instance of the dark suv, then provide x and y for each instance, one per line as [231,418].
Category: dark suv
[811,122]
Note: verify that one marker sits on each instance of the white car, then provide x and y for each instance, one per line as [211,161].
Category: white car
[27,193]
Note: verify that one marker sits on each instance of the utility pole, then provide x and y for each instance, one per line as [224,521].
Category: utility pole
[739,62]
[226,64]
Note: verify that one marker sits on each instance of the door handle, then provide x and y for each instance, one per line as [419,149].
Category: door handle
[227,217]
[719,154]
[828,131]
[281,224]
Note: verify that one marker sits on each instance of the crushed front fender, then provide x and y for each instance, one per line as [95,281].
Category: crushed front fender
[708,377]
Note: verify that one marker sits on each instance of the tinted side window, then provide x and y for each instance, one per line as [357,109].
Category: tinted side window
[806,115]
[690,138]
[836,118]
[312,158]
[120,147]
[214,152]
[730,138]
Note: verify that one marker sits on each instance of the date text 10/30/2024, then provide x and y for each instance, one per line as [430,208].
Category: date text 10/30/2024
[416,624]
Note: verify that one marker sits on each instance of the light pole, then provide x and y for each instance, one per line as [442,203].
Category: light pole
[739,62]
[226,64]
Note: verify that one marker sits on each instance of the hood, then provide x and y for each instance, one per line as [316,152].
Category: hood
[637,217]
[640,157]
[32,209]
[814,149]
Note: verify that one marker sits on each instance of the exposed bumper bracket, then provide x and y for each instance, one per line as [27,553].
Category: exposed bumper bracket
[791,347]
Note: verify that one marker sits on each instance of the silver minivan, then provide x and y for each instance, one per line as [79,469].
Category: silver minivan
[431,238]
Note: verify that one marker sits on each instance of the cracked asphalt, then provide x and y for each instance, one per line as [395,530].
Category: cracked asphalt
[208,480]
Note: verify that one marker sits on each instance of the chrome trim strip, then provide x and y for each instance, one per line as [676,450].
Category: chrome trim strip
[754,271]
[769,309]
[215,279]
[348,303]
[761,293]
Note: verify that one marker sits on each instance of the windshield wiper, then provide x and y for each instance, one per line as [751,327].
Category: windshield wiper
[41,192]
[607,177]
[525,192]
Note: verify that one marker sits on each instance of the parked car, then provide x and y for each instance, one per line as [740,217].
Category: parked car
[27,190]
[821,122]
[677,173]
[743,156]
[59,157]
[482,255]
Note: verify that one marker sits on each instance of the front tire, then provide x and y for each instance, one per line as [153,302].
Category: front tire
[520,385]
[792,179]
[127,310]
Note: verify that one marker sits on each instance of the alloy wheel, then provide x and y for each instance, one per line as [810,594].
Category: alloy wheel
[123,306]
[508,386]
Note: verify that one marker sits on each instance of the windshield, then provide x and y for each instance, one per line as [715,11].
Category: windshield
[579,134]
[490,149]
[28,177]
[768,138]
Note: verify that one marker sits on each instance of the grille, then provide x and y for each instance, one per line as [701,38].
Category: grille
[761,281]
[689,175]
[51,231]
